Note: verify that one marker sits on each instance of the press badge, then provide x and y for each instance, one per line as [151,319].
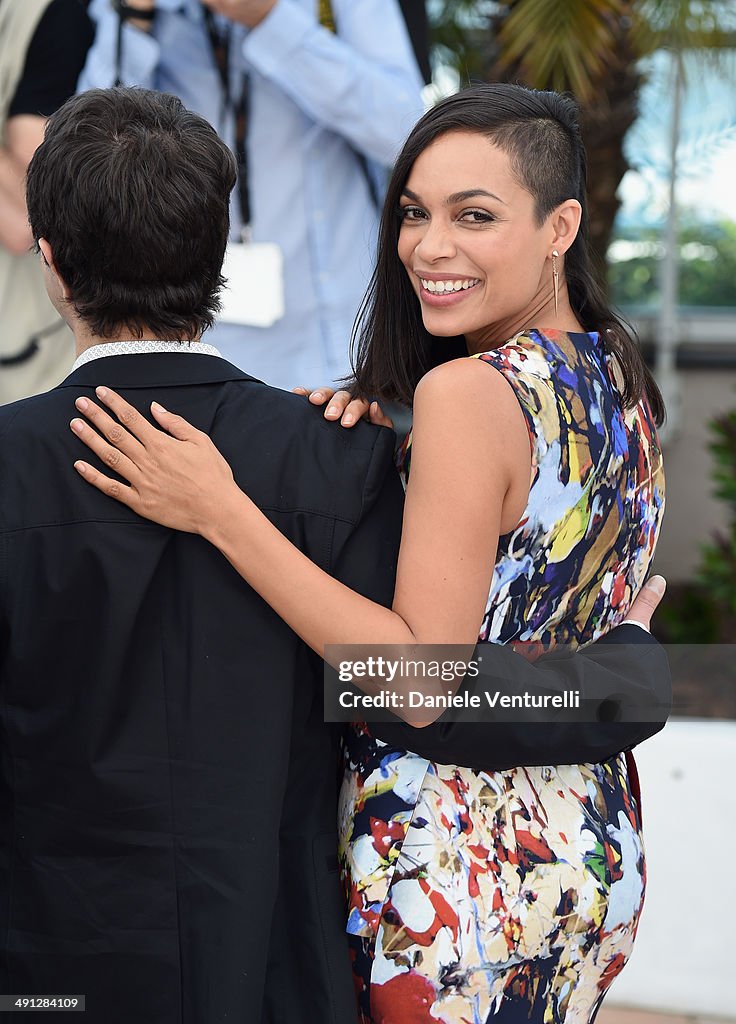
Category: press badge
[254,289]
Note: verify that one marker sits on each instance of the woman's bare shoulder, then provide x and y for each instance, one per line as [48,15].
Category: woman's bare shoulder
[467,387]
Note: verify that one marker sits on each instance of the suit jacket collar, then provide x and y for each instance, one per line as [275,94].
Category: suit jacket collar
[154,370]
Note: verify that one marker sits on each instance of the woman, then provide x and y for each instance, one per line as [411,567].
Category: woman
[532,509]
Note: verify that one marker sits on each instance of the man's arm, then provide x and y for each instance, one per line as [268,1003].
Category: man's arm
[624,674]
[363,84]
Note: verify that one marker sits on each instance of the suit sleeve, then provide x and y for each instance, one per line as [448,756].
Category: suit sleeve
[625,681]
[365,554]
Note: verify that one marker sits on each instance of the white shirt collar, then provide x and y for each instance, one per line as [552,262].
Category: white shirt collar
[136,348]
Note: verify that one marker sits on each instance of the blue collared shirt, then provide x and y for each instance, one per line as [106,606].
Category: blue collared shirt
[316,98]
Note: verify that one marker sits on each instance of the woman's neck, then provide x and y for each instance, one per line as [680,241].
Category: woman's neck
[540,314]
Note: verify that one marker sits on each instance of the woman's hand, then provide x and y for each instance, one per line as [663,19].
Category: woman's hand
[180,481]
[341,405]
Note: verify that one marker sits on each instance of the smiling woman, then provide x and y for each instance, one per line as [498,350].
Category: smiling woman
[502,259]
[519,171]
[533,505]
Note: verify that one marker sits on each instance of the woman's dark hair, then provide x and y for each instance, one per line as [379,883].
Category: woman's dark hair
[131,190]
[539,131]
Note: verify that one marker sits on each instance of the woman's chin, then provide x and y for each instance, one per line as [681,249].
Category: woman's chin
[443,326]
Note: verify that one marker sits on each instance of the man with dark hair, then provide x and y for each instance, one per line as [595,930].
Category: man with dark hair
[167,781]
[167,788]
[167,266]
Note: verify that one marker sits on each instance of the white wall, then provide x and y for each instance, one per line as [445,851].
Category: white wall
[684,958]
[692,514]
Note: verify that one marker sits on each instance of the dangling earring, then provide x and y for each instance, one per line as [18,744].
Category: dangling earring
[555,278]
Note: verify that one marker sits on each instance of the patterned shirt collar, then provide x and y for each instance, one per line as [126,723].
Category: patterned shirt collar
[136,348]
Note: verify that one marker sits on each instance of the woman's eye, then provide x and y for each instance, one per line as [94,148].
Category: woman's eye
[476,217]
[411,213]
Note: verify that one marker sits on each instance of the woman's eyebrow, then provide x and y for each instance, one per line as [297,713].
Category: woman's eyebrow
[471,193]
[458,197]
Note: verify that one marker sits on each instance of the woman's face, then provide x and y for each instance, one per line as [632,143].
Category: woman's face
[476,257]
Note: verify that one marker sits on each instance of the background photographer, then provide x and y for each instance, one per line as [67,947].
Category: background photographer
[43,44]
[314,98]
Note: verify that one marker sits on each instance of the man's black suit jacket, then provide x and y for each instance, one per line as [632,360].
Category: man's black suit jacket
[167,782]
[168,786]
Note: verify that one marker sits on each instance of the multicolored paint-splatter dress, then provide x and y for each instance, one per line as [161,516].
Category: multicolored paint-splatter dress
[508,897]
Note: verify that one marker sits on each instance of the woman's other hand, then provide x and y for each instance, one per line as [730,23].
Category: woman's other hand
[341,405]
[177,479]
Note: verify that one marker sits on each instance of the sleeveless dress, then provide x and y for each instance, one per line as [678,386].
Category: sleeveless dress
[514,897]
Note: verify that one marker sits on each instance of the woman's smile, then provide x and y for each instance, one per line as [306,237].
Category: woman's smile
[440,290]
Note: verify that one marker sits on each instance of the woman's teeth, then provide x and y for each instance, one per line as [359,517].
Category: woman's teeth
[442,287]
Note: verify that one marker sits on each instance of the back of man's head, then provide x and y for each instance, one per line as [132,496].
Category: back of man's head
[131,191]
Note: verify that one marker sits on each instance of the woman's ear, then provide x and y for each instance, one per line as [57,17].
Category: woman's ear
[565,224]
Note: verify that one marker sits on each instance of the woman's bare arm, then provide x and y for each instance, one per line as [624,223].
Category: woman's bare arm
[469,480]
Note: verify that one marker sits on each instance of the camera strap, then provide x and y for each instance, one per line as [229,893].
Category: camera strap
[240,107]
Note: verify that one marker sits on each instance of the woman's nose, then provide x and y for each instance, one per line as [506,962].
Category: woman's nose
[436,242]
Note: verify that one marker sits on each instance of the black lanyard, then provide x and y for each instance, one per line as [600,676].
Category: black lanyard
[220,42]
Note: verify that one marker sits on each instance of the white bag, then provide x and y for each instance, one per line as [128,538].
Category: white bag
[254,293]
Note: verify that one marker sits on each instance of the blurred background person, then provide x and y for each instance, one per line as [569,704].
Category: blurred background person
[43,45]
[315,99]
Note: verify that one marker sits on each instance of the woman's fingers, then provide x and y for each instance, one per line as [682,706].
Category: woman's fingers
[113,488]
[647,600]
[114,457]
[176,425]
[177,476]
[127,416]
[117,434]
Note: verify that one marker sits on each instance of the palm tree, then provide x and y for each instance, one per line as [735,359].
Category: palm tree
[589,47]
[675,25]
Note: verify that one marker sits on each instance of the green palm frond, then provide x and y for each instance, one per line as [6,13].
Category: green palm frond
[682,25]
[568,44]
[461,34]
